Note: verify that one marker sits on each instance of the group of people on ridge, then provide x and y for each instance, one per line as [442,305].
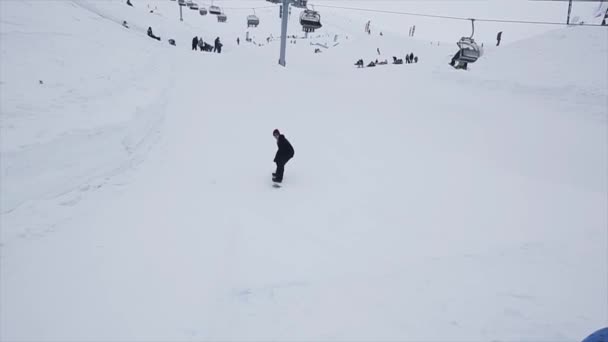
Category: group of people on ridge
[198,43]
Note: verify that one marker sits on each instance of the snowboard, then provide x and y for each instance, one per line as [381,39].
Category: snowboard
[275,184]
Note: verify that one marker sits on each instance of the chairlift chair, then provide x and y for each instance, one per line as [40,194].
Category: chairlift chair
[253,20]
[215,10]
[202,11]
[310,20]
[182,2]
[194,7]
[221,18]
[189,3]
[469,50]
[300,3]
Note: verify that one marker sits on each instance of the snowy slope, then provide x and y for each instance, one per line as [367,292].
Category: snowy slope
[423,203]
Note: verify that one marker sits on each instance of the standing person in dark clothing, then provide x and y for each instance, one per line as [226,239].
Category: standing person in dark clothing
[238,41]
[216,44]
[411,57]
[498,38]
[284,154]
[194,43]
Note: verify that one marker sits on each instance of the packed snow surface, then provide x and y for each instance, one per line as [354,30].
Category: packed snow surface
[423,203]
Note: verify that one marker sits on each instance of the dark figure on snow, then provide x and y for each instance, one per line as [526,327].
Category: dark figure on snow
[129,3]
[238,41]
[397,60]
[201,44]
[284,154]
[407,59]
[371,64]
[415,59]
[359,63]
[411,57]
[217,46]
[194,43]
[172,42]
[151,35]
[124,23]
[207,47]
[498,38]
[378,49]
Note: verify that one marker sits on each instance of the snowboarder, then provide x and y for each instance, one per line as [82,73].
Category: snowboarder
[378,50]
[238,41]
[498,38]
[283,155]
[195,43]
[129,3]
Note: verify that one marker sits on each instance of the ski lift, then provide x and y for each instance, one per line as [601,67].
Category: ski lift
[221,18]
[182,2]
[194,6]
[310,20]
[253,20]
[189,3]
[300,3]
[275,1]
[203,11]
[469,50]
[215,10]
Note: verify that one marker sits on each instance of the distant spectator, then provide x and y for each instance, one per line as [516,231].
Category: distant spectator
[359,63]
[407,59]
[217,46]
[194,43]
[129,3]
[371,64]
[238,41]
[415,59]
[498,38]
[172,42]
[151,35]
[124,23]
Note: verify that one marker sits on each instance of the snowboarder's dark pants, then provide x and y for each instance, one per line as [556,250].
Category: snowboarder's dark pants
[194,46]
[278,175]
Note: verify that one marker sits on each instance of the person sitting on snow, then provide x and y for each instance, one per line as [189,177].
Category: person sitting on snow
[151,35]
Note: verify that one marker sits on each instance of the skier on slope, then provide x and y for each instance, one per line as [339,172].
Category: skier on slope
[284,154]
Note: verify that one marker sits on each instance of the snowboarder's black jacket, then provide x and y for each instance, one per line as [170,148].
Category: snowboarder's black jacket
[285,151]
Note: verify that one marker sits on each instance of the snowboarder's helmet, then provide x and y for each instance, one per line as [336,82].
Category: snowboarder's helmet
[276,132]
